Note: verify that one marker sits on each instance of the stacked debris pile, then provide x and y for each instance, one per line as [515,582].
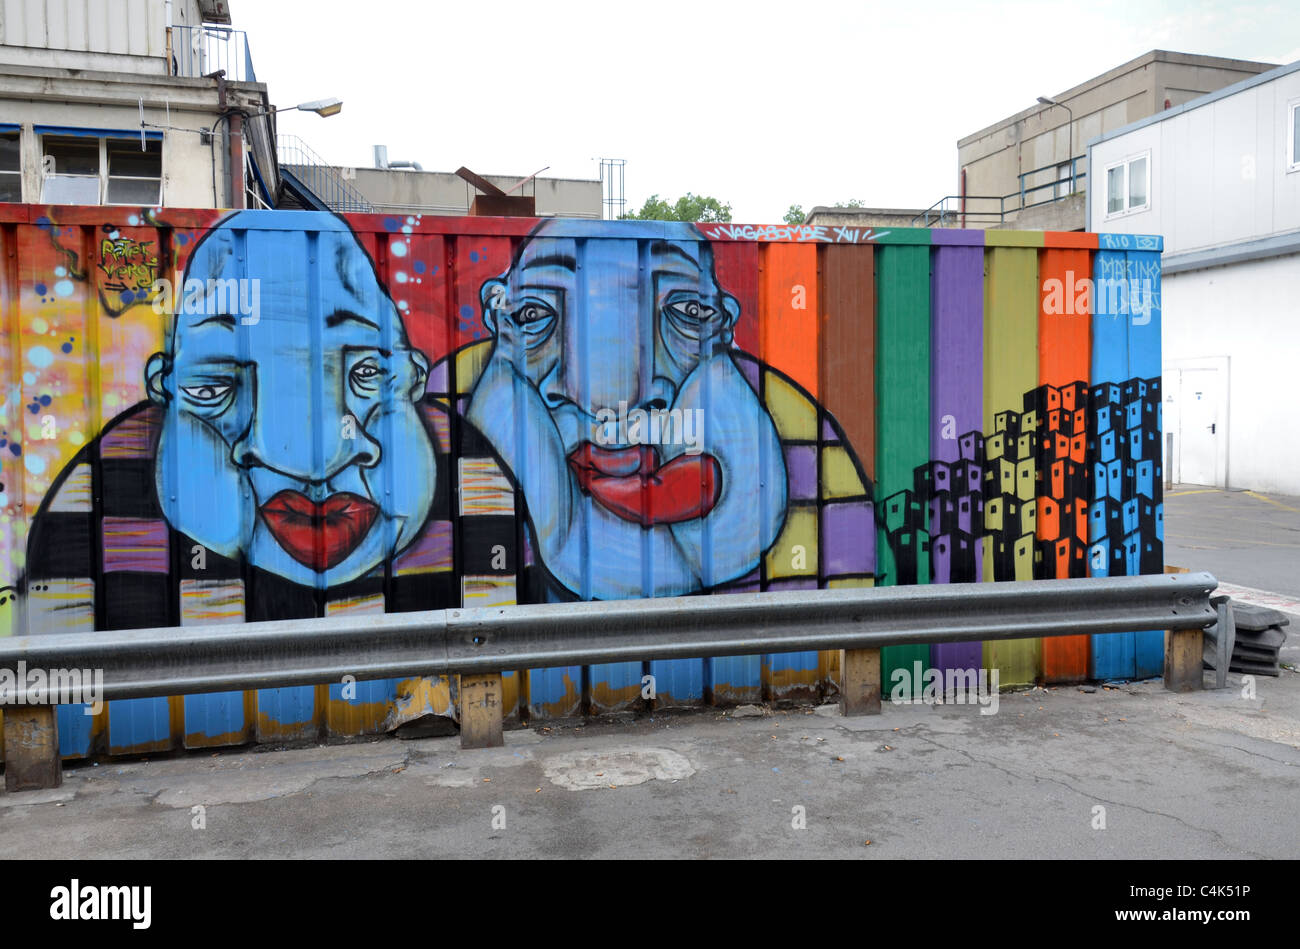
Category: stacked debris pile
[1253,639]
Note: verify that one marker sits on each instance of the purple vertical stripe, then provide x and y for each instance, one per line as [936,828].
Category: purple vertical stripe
[957,408]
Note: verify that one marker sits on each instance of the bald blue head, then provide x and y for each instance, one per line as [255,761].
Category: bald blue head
[290,391]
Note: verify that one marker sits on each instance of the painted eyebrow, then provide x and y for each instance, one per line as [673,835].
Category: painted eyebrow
[663,247]
[552,260]
[342,316]
[222,319]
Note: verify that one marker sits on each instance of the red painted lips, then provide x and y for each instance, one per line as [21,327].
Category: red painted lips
[320,534]
[631,483]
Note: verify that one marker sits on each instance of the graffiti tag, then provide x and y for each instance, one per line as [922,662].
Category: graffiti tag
[791,232]
[128,265]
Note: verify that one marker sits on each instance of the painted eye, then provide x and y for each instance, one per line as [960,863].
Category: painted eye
[532,312]
[692,310]
[208,393]
[366,375]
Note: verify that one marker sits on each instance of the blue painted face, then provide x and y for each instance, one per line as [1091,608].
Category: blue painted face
[611,394]
[291,432]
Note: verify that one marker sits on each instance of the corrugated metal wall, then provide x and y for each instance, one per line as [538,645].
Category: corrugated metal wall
[135,27]
[384,414]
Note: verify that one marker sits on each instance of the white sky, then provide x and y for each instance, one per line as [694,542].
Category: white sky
[759,104]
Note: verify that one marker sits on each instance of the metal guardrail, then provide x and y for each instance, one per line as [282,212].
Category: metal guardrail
[176,661]
[201,50]
[1072,181]
[947,211]
[943,213]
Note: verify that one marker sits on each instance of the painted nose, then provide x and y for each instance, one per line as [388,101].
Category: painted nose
[284,441]
[552,388]
[661,394]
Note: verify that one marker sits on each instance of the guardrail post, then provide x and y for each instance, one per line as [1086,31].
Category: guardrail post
[480,711]
[1183,659]
[859,682]
[32,748]
[1225,635]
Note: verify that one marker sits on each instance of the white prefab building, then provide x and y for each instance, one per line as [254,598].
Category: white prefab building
[1219,177]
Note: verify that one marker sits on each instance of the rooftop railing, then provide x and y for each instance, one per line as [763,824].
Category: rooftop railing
[202,50]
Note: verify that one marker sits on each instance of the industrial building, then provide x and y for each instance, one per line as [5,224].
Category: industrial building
[157,103]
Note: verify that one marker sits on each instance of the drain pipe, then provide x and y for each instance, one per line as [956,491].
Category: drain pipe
[963,198]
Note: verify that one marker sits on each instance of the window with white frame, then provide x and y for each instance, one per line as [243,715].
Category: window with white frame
[11,178]
[1293,137]
[82,168]
[1128,185]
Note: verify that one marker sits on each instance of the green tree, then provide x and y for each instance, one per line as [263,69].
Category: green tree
[691,207]
[794,215]
[852,203]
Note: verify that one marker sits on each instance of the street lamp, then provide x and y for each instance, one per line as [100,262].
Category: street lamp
[235,119]
[322,107]
[1046,101]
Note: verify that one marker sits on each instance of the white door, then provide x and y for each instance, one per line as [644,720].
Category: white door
[1200,428]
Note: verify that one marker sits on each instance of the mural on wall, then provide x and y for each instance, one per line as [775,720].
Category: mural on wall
[284,449]
[287,451]
[219,417]
[615,395]
[1071,484]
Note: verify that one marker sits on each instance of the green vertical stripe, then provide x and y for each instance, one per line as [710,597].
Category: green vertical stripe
[902,418]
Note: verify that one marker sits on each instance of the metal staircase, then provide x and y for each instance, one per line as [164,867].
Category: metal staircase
[314,183]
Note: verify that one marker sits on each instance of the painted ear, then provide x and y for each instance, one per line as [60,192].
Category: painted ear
[155,370]
[731,307]
[493,297]
[421,374]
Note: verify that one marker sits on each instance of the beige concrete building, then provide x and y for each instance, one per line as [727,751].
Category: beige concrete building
[79,77]
[415,191]
[1017,172]
[826,216]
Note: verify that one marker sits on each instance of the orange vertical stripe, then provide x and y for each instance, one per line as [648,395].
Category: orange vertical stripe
[1064,357]
[788,308]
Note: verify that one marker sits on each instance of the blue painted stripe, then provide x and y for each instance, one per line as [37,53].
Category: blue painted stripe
[136,722]
[1111,655]
[214,714]
[150,134]
[679,681]
[75,727]
[288,707]
[1144,363]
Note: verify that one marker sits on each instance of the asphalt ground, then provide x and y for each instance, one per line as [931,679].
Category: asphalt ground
[1244,538]
[1125,772]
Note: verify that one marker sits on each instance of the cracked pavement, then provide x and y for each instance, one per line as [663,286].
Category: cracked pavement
[1209,774]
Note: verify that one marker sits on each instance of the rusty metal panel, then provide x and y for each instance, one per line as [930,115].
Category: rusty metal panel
[231,417]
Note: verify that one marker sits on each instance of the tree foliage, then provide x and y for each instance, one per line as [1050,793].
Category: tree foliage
[690,207]
[794,215]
